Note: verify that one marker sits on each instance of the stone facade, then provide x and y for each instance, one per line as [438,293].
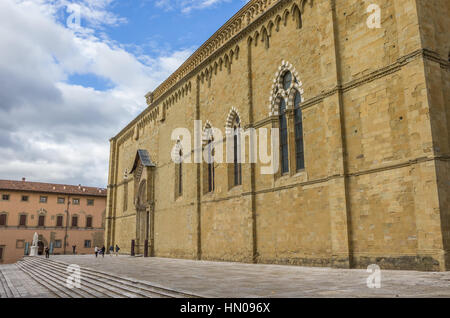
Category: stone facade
[374,102]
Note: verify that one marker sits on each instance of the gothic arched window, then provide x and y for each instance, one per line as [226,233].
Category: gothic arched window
[210,151]
[237,167]
[298,123]
[287,80]
[180,174]
[283,137]
[285,102]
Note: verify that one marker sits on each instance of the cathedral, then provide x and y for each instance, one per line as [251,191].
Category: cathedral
[349,100]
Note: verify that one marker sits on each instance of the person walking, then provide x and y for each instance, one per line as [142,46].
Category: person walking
[111,250]
[47,252]
[103,250]
[96,251]
[117,250]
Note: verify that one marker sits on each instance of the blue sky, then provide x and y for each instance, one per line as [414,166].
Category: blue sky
[152,28]
[68,88]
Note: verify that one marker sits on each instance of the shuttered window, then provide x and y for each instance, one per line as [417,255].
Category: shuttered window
[2,219]
[89,221]
[41,220]
[59,221]
[23,220]
[74,221]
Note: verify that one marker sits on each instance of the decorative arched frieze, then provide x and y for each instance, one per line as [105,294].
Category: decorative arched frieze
[277,23]
[270,28]
[236,51]
[302,4]
[256,37]
[285,16]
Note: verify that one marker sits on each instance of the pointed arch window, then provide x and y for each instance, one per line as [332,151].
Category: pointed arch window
[211,172]
[180,174]
[287,80]
[286,100]
[284,154]
[298,123]
[237,167]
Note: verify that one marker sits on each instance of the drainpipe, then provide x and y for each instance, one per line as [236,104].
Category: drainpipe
[67,223]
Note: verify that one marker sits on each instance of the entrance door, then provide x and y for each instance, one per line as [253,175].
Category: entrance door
[40,248]
[141,235]
[141,214]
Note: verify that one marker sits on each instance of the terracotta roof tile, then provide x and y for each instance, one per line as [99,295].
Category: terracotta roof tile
[50,188]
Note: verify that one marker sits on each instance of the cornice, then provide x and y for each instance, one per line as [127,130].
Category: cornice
[245,21]
[243,18]
[228,34]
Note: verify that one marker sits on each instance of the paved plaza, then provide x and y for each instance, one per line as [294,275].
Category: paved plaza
[223,279]
[214,279]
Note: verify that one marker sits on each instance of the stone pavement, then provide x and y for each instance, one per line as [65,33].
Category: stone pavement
[223,279]
[14,283]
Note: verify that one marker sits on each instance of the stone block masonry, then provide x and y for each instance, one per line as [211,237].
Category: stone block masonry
[374,133]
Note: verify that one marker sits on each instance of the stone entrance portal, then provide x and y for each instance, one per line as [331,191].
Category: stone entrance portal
[143,170]
[40,248]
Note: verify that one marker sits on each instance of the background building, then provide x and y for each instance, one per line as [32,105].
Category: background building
[363,113]
[63,216]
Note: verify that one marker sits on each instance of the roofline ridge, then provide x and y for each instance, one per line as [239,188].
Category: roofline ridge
[151,98]
[52,184]
[245,16]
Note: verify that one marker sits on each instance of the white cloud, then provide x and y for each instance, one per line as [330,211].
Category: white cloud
[51,130]
[186,6]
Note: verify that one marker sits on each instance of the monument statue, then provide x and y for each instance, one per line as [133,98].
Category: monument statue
[35,239]
[34,245]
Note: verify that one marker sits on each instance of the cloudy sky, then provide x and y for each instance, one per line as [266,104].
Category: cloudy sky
[73,73]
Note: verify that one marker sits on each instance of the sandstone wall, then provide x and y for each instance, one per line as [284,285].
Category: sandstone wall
[376,142]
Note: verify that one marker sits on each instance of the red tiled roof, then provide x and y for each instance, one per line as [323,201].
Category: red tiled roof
[50,188]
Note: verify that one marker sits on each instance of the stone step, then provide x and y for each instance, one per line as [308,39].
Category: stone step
[41,275]
[9,285]
[49,284]
[87,290]
[5,292]
[23,285]
[101,285]
[134,284]
[121,286]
